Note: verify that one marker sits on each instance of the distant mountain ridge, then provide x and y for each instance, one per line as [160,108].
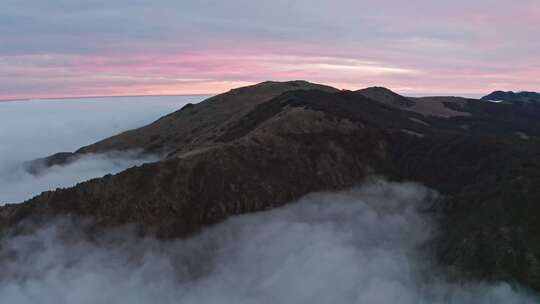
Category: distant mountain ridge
[510,96]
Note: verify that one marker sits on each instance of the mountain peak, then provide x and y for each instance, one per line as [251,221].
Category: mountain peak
[286,86]
[386,96]
[377,88]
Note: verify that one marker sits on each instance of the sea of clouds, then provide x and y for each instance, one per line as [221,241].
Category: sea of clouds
[39,128]
[358,246]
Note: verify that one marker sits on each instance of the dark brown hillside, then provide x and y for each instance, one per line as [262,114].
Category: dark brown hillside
[190,127]
[271,144]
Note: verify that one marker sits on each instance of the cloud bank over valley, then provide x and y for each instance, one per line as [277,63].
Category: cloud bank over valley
[357,246]
[35,129]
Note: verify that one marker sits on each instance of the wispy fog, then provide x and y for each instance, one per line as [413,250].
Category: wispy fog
[357,246]
[18,185]
[34,129]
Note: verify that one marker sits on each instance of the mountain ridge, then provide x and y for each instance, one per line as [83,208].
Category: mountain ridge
[509,96]
[151,137]
[263,146]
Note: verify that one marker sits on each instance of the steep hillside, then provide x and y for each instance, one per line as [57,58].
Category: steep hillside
[195,125]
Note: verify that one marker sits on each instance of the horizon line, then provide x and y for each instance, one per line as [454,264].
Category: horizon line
[464,95]
[100,96]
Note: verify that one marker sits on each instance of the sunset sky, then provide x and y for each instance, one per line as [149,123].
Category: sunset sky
[65,48]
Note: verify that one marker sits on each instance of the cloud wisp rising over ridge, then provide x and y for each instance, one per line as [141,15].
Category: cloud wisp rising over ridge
[103,47]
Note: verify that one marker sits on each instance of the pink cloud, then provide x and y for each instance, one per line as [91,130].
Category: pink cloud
[213,71]
[429,47]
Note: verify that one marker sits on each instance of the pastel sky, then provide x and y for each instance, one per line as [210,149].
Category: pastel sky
[62,48]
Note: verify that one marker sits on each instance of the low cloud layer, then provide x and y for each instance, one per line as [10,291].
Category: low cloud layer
[18,184]
[34,129]
[357,246]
